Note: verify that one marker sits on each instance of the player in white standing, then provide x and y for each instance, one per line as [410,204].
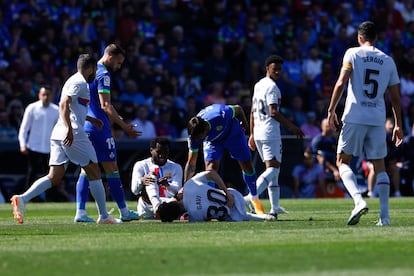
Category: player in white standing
[155,170]
[369,73]
[265,121]
[203,202]
[69,143]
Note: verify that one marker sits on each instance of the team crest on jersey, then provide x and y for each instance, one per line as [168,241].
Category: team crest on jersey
[107,81]
[112,155]
[219,128]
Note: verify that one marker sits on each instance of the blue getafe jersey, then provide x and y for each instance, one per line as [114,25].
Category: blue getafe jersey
[220,118]
[101,84]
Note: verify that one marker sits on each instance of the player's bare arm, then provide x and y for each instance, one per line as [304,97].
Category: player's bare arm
[336,96]
[64,111]
[251,143]
[215,177]
[113,115]
[190,166]
[241,116]
[275,114]
[397,134]
[95,121]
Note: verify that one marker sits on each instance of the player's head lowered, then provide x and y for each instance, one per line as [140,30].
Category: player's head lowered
[169,211]
[160,150]
[114,56]
[86,65]
[197,128]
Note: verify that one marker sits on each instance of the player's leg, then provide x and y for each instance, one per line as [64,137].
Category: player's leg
[271,153]
[104,145]
[350,143]
[383,186]
[56,172]
[239,150]
[83,153]
[82,196]
[55,175]
[376,151]
[98,192]
[116,190]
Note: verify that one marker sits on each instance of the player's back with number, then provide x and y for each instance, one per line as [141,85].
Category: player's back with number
[204,203]
[372,71]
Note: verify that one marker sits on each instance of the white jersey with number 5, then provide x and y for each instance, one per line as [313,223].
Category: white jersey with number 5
[265,93]
[204,203]
[372,71]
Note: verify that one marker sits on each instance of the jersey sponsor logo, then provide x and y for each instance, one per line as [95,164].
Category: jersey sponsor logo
[368,104]
[83,101]
[107,81]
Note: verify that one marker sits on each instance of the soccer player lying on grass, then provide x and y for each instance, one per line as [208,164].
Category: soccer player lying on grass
[203,202]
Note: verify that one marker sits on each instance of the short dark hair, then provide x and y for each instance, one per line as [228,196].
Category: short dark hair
[114,50]
[163,141]
[368,31]
[169,211]
[273,59]
[85,61]
[46,86]
[196,126]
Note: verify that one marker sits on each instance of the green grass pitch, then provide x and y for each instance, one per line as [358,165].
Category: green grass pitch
[313,239]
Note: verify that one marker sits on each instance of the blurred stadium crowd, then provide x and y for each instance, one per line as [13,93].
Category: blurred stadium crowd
[185,54]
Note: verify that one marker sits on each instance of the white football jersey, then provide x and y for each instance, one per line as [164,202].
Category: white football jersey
[171,169]
[265,92]
[204,203]
[372,71]
[77,88]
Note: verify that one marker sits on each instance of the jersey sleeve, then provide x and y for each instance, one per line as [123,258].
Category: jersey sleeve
[193,145]
[232,109]
[138,172]
[104,83]
[73,90]
[271,95]
[395,79]
[347,61]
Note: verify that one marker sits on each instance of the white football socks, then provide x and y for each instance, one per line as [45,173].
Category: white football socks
[350,182]
[38,187]
[98,192]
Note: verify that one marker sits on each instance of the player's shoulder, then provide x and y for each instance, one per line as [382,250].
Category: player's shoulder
[354,50]
[172,163]
[142,162]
